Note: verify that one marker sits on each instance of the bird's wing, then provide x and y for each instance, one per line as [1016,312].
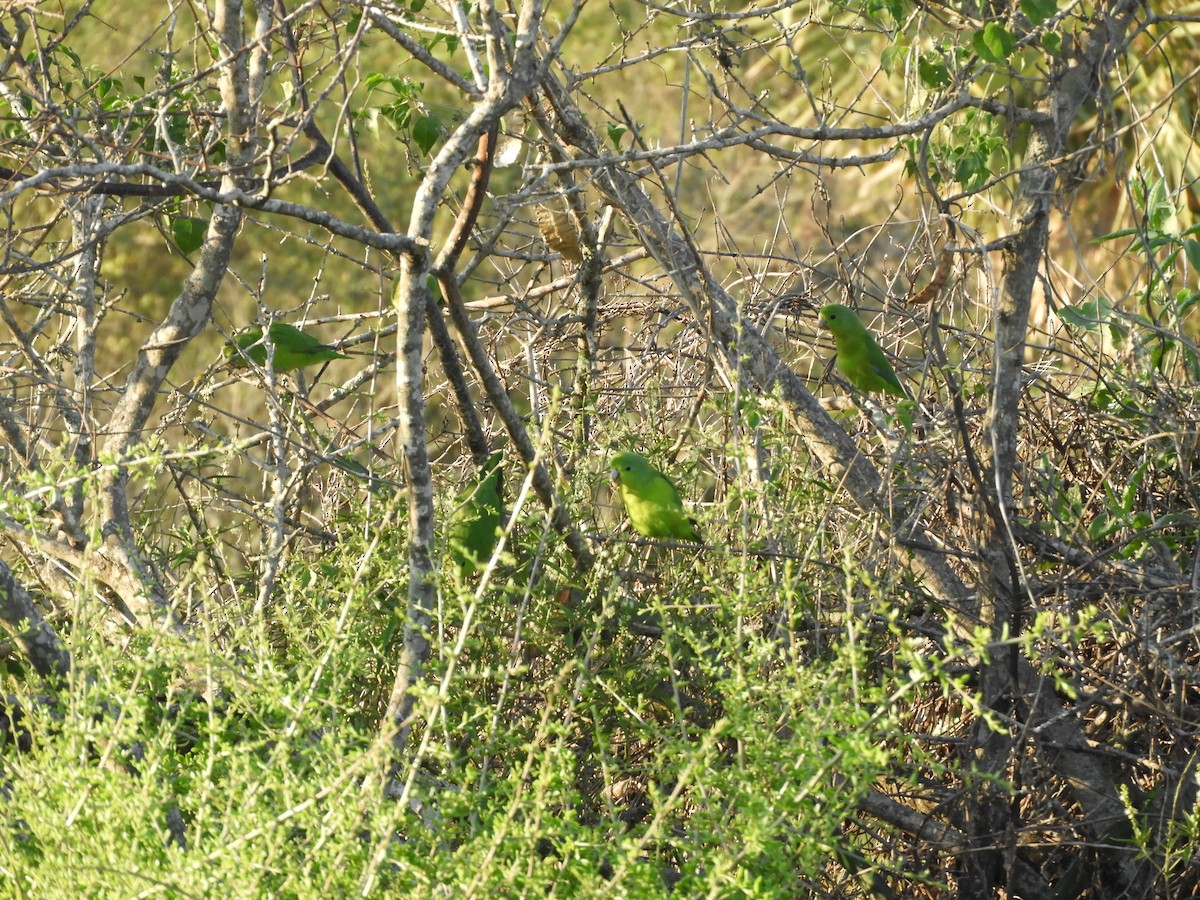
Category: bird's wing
[666,492]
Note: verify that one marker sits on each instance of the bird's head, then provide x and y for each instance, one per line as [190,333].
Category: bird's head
[625,464]
[835,316]
[235,349]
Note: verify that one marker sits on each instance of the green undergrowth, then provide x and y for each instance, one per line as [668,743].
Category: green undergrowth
[707,718]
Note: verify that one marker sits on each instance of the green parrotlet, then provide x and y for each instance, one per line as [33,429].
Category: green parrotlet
[294,348]
[651,499]
[475,523]
[859,358]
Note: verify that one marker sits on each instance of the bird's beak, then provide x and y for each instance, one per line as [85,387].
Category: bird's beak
[613,475]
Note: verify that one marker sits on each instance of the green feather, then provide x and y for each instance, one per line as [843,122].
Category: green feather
[859,358]
[651,500]
[293,348]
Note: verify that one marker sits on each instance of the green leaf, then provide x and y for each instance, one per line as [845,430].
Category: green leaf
[1091,315]
[1192,248]
[1116,235]
[905,413]
[615,133]
[1052,43]
[932,72]
[399,114]
[404,88]
[1039,11]
[993,43]
[106,86]
[971,169]
[71,55]
[177,129]
[893,8]
[1185,301]
[893,57]
[427,131]
[1159,207]
[188,233]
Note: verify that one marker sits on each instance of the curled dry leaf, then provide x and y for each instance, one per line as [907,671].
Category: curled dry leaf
[558,231]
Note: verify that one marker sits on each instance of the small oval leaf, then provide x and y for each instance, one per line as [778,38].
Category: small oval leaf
[188,233]
[427,131]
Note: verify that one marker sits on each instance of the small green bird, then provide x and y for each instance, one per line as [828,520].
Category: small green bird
[651,500]
[475,523]
[858,356]
[294,348]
